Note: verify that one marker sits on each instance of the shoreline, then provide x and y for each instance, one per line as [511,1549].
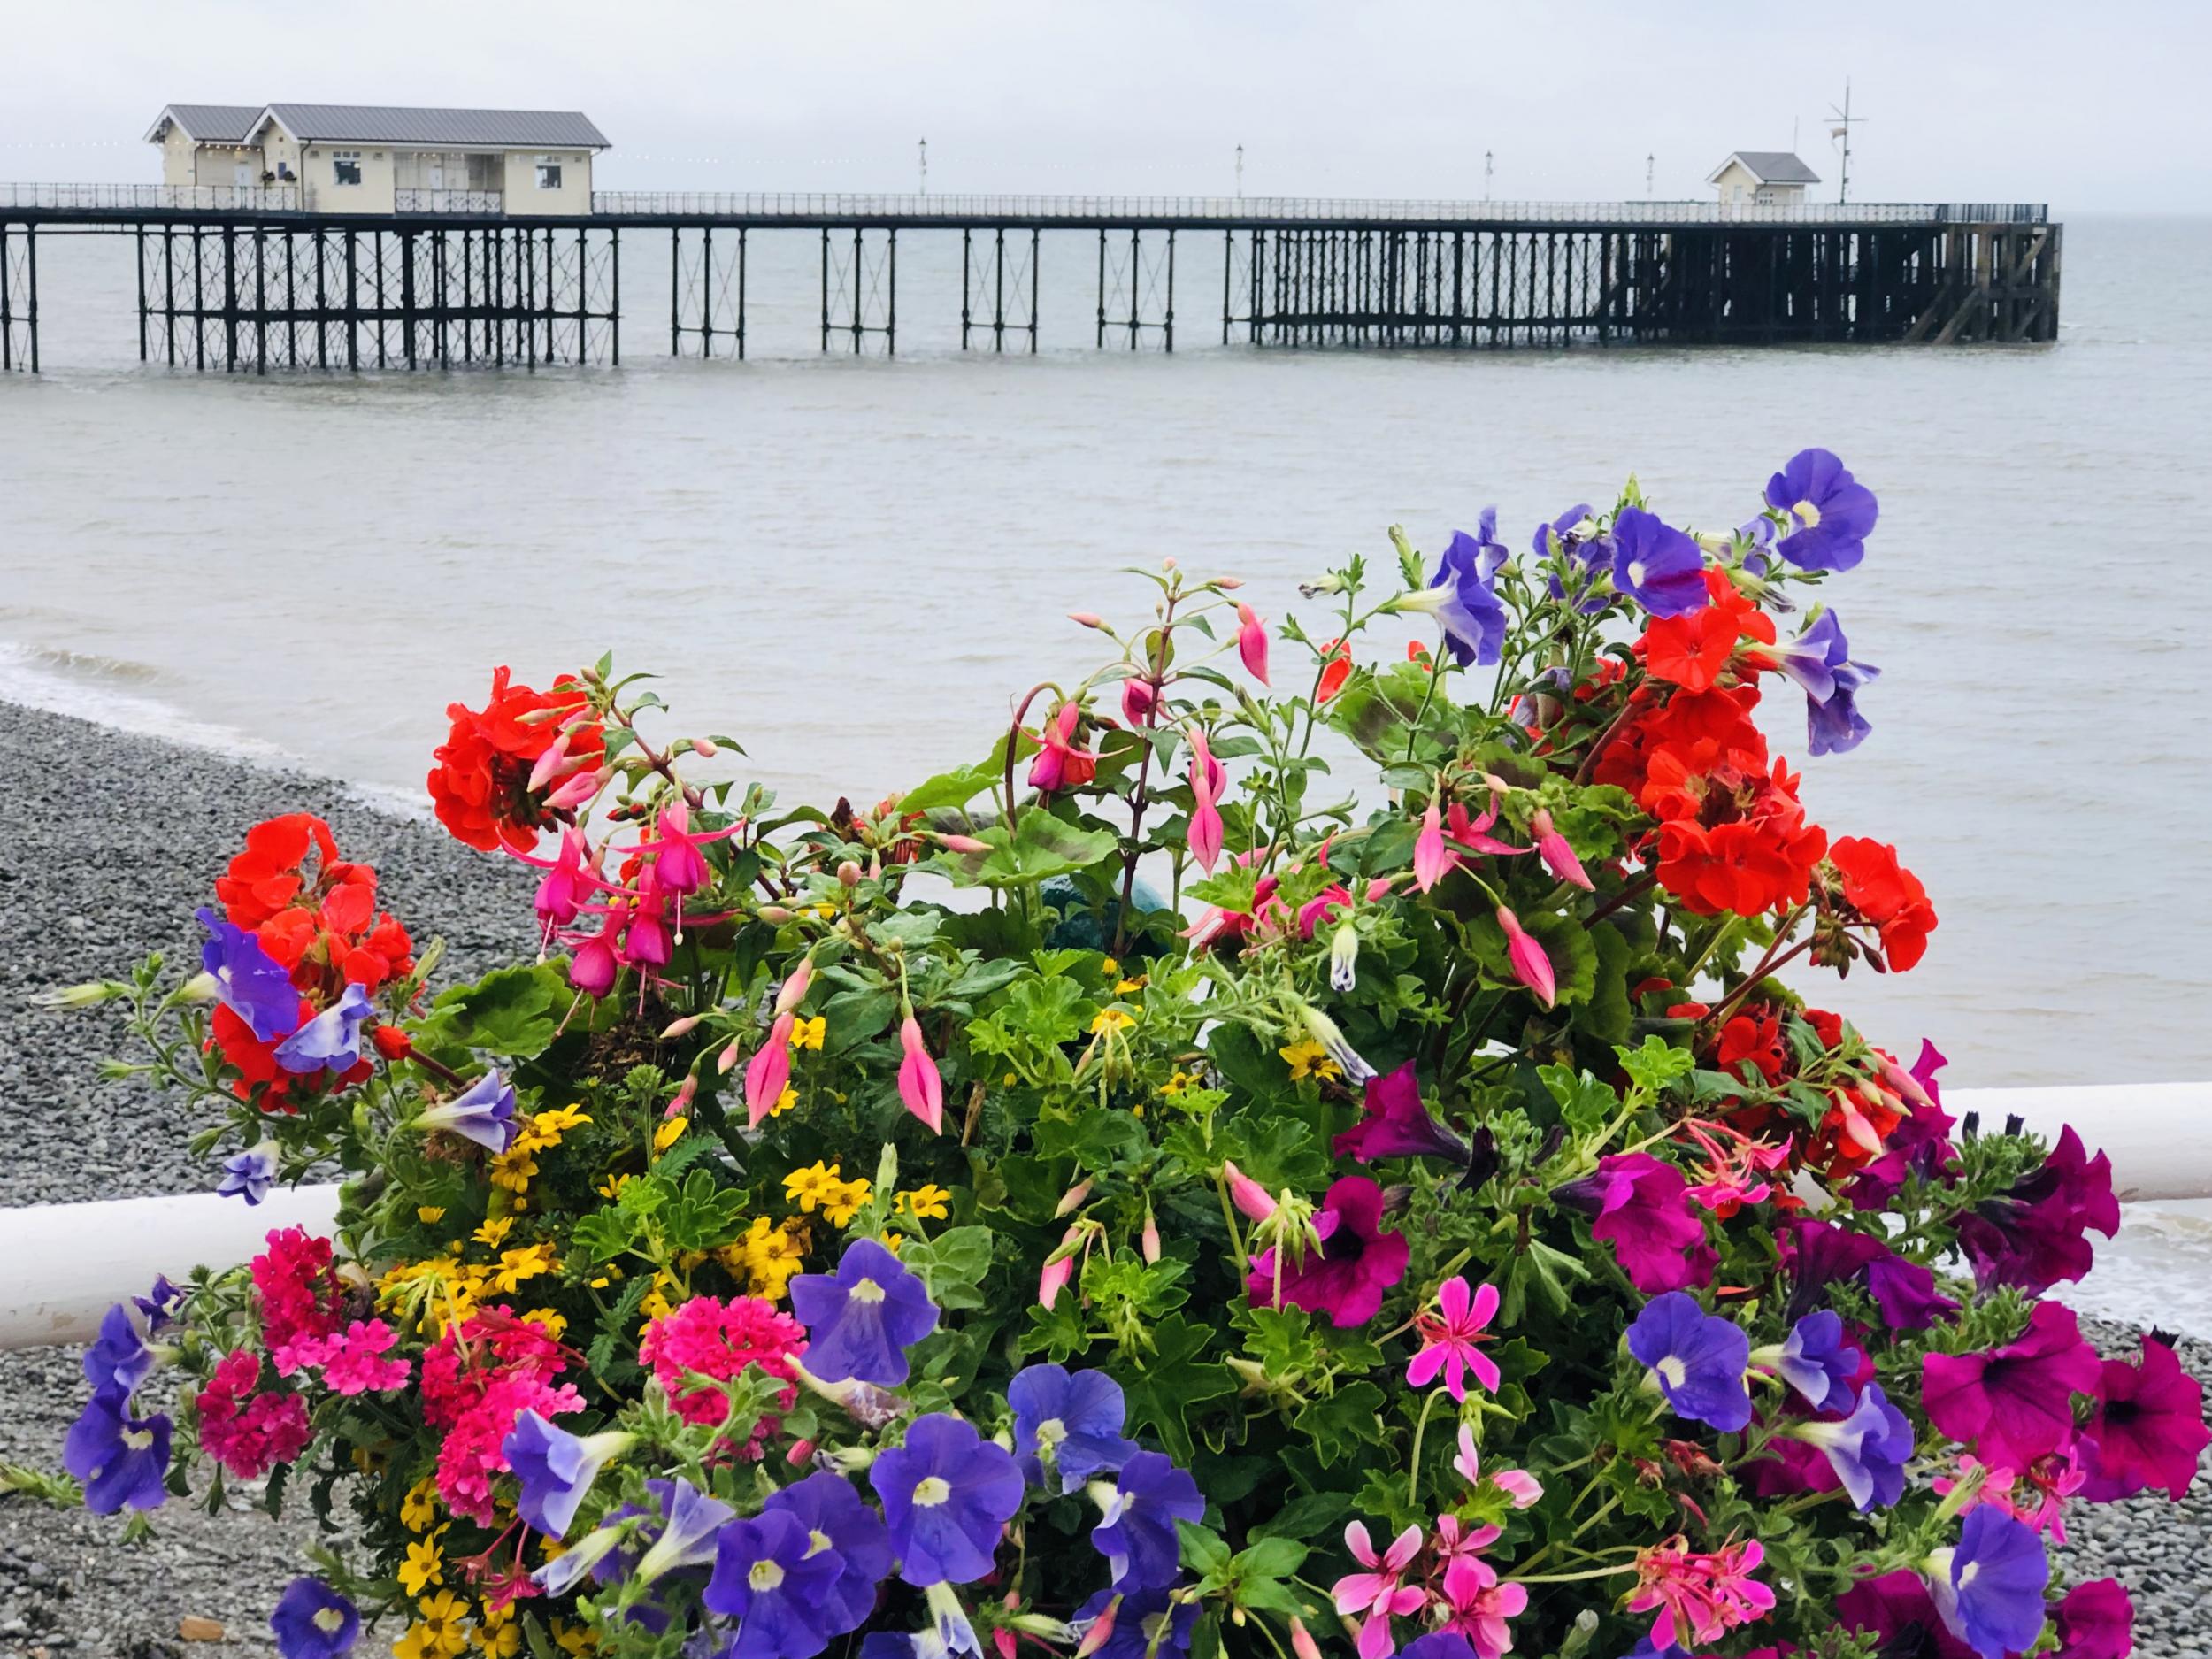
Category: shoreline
[109,840]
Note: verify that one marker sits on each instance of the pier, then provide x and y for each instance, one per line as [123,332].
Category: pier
[244,279]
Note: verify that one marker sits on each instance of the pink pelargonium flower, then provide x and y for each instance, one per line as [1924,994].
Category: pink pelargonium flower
[1448,1338]
[1252,641]
[1379,1591]
[1518,1484]
[1699,1597]
[919,1085]
[1531,966]
[1206,780]
[1558,857]
[1480,1607]
[1059,764]
[2036,1495]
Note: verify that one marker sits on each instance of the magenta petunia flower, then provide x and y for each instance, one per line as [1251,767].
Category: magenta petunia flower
[1449,1339]
[2036,1235]
[2149,1429]
[1397,1125]
[2013,1404]
[2096,1621]
[1640,1208]
[1897,1609]
[1357,1262]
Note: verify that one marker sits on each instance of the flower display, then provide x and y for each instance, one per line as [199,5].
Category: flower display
[1309,1143]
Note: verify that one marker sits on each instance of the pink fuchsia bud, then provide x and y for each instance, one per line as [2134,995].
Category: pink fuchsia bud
[1206,780]
[776,913]
[1431,857]
[703,747]
[1252,641]
[768,1071]
[592,969]
[1552,848]
[1247,1194]
[1903,1082]
[1138,701]
[1102,1630]
[725,1062]
[1302,1642]
[1073,1199]
[1149,1240]
[1059,1268]
[579,788]
[794,987]
[1086,619]
[683,1028]
[680,1105]
[1003,1639]
[919,1085]
[1531,966]
[964,844]
[552,764]
[1376,887]
[848,873]
[800,1452]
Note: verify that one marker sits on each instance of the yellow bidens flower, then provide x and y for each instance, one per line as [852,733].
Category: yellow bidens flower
[442,1630]
[926,1202]
[420,1506]
[1109,1019]
[655,1304]
[785,1101]
[768,1257]
[1308,1059]
[1175,1085]
[811,1187]
[1124,988]
[845,1205]
[554,1324]
[430,1214]
[494,1233]
[669,1132]
[807,1033]
[514,1170]
[574,1639]
[425,1564]
[612,1187]
[526,1262]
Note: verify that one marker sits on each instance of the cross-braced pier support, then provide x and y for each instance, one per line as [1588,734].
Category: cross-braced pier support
[1136,288]
[984,277]
[860,289]
[706,290]
[18,297]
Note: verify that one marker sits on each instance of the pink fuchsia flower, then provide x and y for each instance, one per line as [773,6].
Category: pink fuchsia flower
[1206,780]
[567,883]
[1558,857]
[2149,1428]
[1448,1338]
[2013,1404]
[920,1085]
[1640,1207]
[593,965]
[1059,764]
[2096,1621]
[1379,1591]
[1252,641]
[1472,834]
[1432,860]
[1396,1124]
[1518,1484]
[1357,1261]
[1531,966]
[677,860]
[1699,1597]
[355,1362]
[1059,1268]
[769,1070]
[1139,701]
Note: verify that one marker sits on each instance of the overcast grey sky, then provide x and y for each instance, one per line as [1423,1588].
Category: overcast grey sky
[2084,104]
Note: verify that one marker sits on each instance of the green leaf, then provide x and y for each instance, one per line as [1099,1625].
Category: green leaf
[1584,1104]
[1172,1381]
[1203,1551]
[952,1264]
[1307,1515]
[1341,1424]
[1098,1139]
[1233,889]
[962,784]
[509,1011]
[1271,1558]
[1040,847]
[1656,1065]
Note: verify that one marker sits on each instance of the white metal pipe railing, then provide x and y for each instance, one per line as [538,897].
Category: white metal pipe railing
[62,1265]
[263,198]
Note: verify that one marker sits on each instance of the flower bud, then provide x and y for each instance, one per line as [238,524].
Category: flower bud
[1139,699]
[1073,1199]
[94,992]
[775,913]
[1102,1630]
[683,1028]
[727,1061]
[794,989]
[1086,619]
[1149,1240]
[1229,584]
[1302,1642]
[1344,957]
[966,844]
[1247,1194]
[1319,585]
[848,874]
[703,747]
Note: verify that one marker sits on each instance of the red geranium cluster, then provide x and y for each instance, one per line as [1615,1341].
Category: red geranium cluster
[1886,893]
[488,786]
[316,915]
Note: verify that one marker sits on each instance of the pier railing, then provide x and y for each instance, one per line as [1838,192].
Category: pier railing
[1278,209]
[448,202]
[256,198]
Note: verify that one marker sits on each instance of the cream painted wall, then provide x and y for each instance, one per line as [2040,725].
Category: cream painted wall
[176,157]
[325,195]
[1739,186]
[523,198]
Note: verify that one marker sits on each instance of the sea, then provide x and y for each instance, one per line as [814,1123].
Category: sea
[851,563]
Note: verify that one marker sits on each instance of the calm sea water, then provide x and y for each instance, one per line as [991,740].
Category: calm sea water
[852,562]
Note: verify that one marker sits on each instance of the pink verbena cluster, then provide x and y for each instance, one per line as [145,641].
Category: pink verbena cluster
[720,1340]
[300,1298]
[248,1433]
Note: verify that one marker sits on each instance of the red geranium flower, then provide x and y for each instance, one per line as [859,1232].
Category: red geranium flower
[480,785]
[1693,650]
[1888,894]
[1746,848]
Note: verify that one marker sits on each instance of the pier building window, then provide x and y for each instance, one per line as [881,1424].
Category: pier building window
[549,172]
[345,166]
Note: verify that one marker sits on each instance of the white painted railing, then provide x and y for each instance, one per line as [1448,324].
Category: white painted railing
[449,201]
[265,198]
[62,1266]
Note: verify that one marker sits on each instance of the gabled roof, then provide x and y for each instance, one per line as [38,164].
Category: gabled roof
[208,123]
[1767,166]
[390,124]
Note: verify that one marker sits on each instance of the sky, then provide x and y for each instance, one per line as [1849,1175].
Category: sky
[2087,107]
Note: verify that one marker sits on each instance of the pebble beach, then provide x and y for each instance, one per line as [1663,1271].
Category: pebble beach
[108,842]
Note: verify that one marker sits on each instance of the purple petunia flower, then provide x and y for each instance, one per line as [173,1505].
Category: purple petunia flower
[1471,615]
[947,1494]
[690,1519]
[1818,663]
[1897,1609]
[122,1357]
[836,1519]
[1397,1125]
[249,981]
[1906,1292]
[1657,565]
[2015,1403]
[313,1621]
[861,1319]
[484,1112]
[1990,1589]
[556,1469]
[1073,1417]
[121,1459]
[2096,1620]
[1868,1450]
[1695,1359]
[1820,1254]
[249,1174]
[1442,1644]
[768,1574]
[331,1042]
[1137,1532]
[1830,511]
[1148,1624]
[1818,1362]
